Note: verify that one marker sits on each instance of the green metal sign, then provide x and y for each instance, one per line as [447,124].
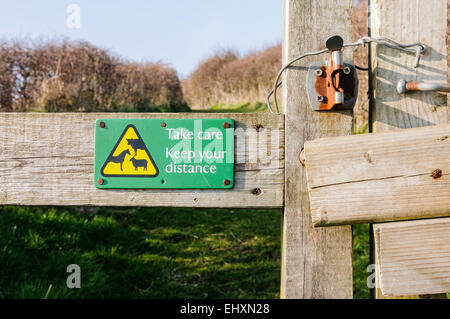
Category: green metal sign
[164,153]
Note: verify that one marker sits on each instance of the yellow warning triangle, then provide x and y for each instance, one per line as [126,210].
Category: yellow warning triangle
[130,157]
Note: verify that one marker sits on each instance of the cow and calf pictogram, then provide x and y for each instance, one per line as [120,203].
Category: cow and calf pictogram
[130,157]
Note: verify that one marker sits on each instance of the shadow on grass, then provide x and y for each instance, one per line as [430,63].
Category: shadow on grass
[140,252]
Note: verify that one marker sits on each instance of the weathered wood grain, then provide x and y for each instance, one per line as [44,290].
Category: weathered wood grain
[379,177]
[407,21]
[48,159]
[413,257]
[316,263]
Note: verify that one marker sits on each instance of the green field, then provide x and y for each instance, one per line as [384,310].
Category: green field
[140,252]
[239,108]
[147,253]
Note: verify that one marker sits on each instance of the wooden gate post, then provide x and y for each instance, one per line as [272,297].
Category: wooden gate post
[407,21]
[316,263]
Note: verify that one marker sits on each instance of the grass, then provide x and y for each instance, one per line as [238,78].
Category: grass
[361,130]
[240,108]
[361,251]
[360,261]
[140,253]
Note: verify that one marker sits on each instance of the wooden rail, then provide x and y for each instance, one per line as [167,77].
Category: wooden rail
[48,159]
[388,176]
[407,22]
[413,257]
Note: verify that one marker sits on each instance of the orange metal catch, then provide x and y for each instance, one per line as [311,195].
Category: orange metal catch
[334,83]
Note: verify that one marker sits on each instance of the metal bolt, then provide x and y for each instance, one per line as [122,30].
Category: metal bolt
[163,124]
[319,98]
[318,72]
[437,173]
[257,191]
[102,124]
[346,70]
[302,157]
[226,182]
[226,125]
[100,181]
[404,86]
[401,86]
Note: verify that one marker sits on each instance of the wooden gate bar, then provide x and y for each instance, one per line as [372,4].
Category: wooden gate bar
[398,175]
[48,159]
[316,263]
[413,257]
[407,21]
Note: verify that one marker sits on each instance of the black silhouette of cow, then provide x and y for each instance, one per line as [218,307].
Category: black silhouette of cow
[136,144]
[139,163]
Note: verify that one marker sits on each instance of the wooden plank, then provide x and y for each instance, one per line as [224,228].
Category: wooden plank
[407,21]
[413,257]
[379,177]
[48,159]
[316,263]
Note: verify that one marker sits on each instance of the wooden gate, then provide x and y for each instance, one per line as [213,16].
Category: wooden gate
[47,159]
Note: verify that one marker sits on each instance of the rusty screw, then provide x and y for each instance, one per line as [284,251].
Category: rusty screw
[226,125]
[437,173]
[100,181]
[163,124]
[257,191]
[226,182]
[258,127]
[102,124]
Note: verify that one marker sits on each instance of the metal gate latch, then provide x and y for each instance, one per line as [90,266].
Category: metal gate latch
[404,87]
[333,84]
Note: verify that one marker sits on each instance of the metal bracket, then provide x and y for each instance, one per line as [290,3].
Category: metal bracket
[333,84]
[318,93]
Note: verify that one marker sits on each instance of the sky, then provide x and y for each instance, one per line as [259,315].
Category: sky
[179,33]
